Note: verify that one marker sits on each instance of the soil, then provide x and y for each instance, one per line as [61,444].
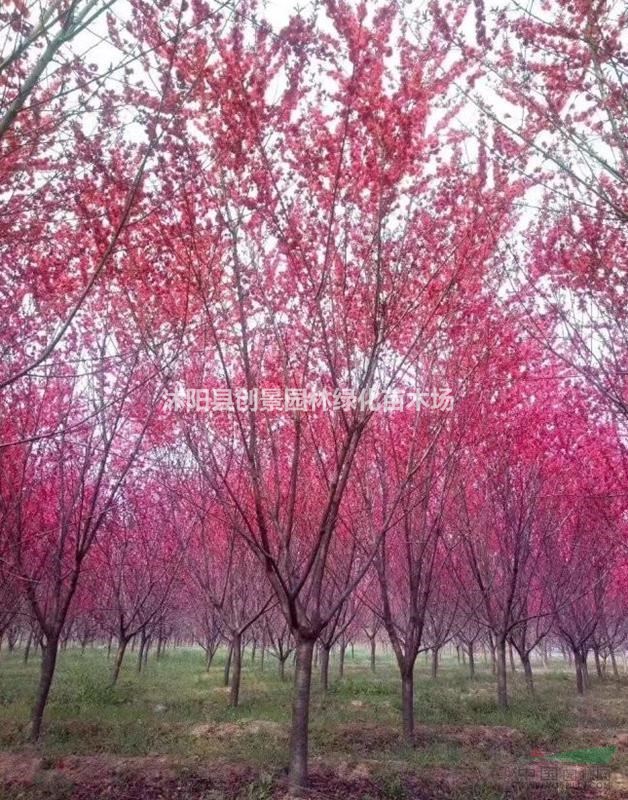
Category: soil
[26,775]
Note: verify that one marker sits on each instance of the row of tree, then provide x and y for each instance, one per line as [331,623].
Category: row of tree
[448,533]
[366,199]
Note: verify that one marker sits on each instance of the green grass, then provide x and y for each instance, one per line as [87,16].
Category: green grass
[356,722]
[592,755]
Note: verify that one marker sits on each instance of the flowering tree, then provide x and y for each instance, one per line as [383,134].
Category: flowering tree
[59,491]
[328,245]
[552,95]
[408,332]
[138,561]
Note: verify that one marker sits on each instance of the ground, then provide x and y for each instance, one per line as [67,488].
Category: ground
[169,733]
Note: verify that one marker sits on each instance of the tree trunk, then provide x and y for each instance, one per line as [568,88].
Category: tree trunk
[118,662]
[580,676]
[579,679]
[282,668]
[598,663]
[341,662]
[29,641]
[48,663]
[373,654]
[585,670]
[301,713]
[502,687]
[471,661]
[614,664]
[527,669]
[140,655]
[324,654]
[407,705]
[511,656]
[228,665]
[434,662]
[236,649]
[492,648]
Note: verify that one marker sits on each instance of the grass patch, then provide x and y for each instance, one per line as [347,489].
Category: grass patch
[357,722]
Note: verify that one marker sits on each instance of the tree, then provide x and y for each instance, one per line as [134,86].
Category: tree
[501,538]
[561,121]
[59,491]
[138,561]
[315,262]
[228,575]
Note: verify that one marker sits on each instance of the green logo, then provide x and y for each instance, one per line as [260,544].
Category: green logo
[592,755]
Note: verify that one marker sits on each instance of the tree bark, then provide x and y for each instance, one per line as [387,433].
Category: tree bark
[118,662]
[434,662]
[585,670]
[324,661]
[236,671]
[527,670]
[301,714]
[580,678]
[140,655]
[502,687]
[341,661]
[598,663]
[29,641]
[48,663]
[511,656]
[614,664]
[228,665]
[407,705]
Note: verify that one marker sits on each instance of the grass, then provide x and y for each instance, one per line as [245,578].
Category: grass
[356,722]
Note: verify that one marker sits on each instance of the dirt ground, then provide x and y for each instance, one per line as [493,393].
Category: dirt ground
[25,775]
